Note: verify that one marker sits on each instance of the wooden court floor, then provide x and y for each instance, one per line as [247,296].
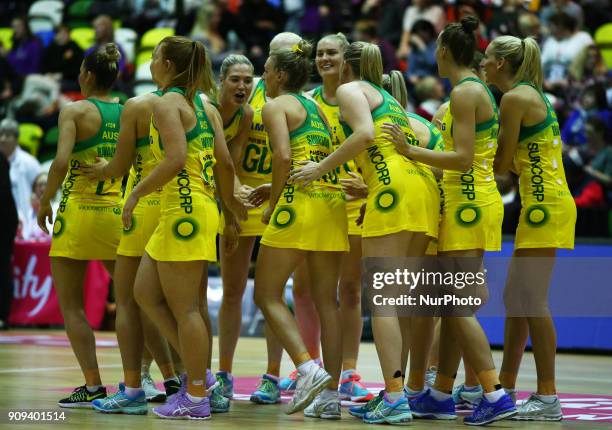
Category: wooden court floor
[36,376]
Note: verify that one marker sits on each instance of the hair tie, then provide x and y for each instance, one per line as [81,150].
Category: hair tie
[296,48]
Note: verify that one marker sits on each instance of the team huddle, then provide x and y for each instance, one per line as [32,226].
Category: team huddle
[324,178]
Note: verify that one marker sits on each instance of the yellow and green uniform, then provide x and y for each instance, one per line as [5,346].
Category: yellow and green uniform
[311,218]
[255,168]
[189,216]
[402,194]
[146,213]
[231,130]
[435,143]
[473,209]
[548,213]
[88,222]
[332,113]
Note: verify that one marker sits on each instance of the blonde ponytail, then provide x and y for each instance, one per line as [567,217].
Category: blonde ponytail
[365,61]
[523,57]
[395,84]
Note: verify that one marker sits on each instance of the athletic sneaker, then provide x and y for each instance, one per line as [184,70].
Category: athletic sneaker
[486,412]
[81,398]
[288,383]
[267,392]
[360,411]
[467,399]
[308,386]
[426,406]
[511,393]
[227,384]
[218,402]
[148,385]
[121,403]
[172,386]
[179,407]
[397,412]
[352,389]
[534,409]
[327,409]
[430,376]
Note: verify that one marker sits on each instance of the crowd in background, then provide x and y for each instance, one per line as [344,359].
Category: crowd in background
[39,73]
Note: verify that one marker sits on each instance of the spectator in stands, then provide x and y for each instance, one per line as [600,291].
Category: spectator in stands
[8,84]
[422,57]
[388,14]
[62,59]
[593,104]
[420,9]
[145,14]
[26,52]
[567,7]
[29,229]
[589,67]
[105,33]
[430,94]
[529,26]
[504,20]
[9,221]
[366,31]
[600,168]
[560,48]
[23,167]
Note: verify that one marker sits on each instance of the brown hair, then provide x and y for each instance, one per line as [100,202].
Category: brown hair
[365,61]
[192,65]
[460,39]
[104,64]
[295,62]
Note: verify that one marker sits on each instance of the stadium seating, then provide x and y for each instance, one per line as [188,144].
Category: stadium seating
[603,39]
[127,38]
[6,38]
[30,136]
[83,36]
[45,15]
[79,14]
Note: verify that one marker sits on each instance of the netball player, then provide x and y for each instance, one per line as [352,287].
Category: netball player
[471,221]
[88,222]
[393,226]
[187,141]
[253,165]
[529,140]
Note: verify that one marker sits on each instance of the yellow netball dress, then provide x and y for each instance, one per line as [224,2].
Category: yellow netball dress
[189,216]
[311,218]
[402,196]
[88,222]
[548,213]
[146,213]
[473,209]
[256,165]
[332,113]
[435,143]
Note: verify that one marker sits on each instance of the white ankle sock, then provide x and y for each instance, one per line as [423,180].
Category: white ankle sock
[471,388]
[439,395]
[495,395]
[304,368]
[93,388]
[318,361]
[395,396]
[547,398]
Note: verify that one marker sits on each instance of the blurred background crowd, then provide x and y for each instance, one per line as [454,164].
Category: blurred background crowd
[42,44]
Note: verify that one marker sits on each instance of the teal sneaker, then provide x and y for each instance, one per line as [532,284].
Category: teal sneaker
[397,412]
[227,384]
[467,399]
[267,392]
[360,411]
[120,403]
[218,402]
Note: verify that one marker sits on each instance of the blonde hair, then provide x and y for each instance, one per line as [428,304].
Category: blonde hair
[233,60]
[295,62]
[523,56]
[192,65]
[365,61]
[395,84]
[339,38]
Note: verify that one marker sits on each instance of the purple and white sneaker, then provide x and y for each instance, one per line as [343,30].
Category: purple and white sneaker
[179,407]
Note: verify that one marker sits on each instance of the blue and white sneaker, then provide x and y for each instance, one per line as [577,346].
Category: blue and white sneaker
[227,384]
[397,412]
[467,399]
[289,383]
[486,412]
[426,406]
[267,392]
[361,410]
[120,403]
[352,389]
